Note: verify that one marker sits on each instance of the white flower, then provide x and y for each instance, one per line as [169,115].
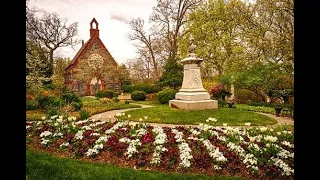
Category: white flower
[45,134]
[270,138]
[225,124]
[262,129]
[247,124]
[64,144]
[43,117]
[140,119]
[123,114]
[118,114]
[109,117]
[56,124]
[129,116]
[278,133]
[53,117]
[145,117]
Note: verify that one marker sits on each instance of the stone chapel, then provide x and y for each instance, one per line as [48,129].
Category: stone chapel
[93,68]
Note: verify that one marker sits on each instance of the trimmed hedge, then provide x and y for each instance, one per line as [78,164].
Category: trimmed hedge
[147,88]
[166,95]
[138,95]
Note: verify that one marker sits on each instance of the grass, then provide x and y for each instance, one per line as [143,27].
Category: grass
[231,116]
[45,166]
[92,105]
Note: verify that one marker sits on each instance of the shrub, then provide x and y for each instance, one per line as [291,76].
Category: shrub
[147,88]
[72,98]
[84,114]
[100,94]
[29,97]
[115,99]
[138,95]
[106,101]
[222,103]
[127,88]
[49,86]
[31,105]
[49,101]
[53,111]
[126,102]
[166,95]
[152,97]
[77,105]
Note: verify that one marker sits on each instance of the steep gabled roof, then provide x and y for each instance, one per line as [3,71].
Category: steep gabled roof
[85,47]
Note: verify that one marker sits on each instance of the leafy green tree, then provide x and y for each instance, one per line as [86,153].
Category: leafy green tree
[264,79]
[216,28]
[37,69]
[172,76]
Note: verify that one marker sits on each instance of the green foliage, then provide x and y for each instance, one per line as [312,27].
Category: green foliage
[72,98]
[49,101]
[172,76]
[84,114]
[52,111]
[49,86]
[127,88]
[166,95]
[126,102]
[115,99]
[138,95]
[147,88]
[222,103]
[77,105]
[106,94]
[31,104]
[106,101]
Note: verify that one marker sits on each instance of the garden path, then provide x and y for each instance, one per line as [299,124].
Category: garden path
[109,115]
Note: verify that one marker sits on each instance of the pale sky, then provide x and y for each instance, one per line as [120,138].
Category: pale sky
[112,15]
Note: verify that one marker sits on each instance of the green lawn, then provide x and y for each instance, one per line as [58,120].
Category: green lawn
[231,116]
[92,105]
[46,166]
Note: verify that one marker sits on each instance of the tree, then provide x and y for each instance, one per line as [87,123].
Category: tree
[172,76]
[123,74]
[168,17]
[264,79]
[60,65]
[147,50]
[270,32]
[37,69]
[50,32]
[216,28]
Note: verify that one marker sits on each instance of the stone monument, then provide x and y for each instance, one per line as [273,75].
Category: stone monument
[192,95]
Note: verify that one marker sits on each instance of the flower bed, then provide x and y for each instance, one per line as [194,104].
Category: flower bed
[253,153]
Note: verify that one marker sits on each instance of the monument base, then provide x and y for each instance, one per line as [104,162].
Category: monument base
[192,96]
[193,105]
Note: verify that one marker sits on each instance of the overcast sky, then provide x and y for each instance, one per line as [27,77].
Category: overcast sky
[112,15]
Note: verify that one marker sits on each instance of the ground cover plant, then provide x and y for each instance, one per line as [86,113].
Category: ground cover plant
[251,152]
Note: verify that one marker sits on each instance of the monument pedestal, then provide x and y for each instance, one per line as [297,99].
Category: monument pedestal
[192,95]
[193,105]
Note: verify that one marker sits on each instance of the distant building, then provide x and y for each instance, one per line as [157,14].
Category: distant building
[93,68]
